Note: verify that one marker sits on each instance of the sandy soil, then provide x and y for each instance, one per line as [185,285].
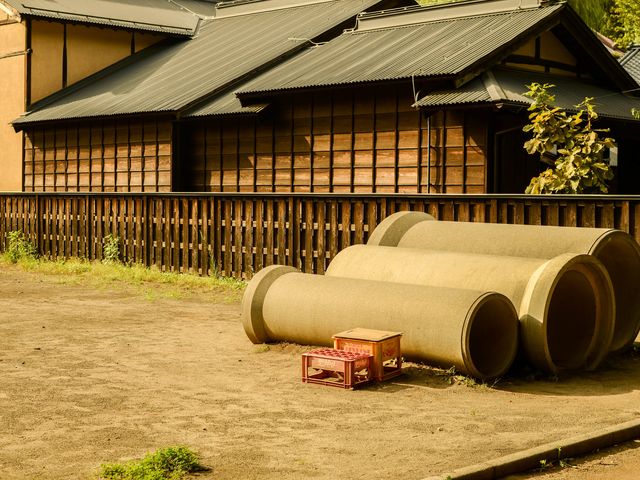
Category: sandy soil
[91,375]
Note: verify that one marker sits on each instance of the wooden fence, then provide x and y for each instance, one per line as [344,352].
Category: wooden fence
[238,234]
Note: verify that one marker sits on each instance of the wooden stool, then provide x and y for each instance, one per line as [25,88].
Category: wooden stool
[338,368]
[384,346]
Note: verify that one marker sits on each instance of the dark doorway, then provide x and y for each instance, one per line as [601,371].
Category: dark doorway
[513,167]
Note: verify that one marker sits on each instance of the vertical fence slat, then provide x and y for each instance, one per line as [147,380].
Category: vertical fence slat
[248,269]
[321,234]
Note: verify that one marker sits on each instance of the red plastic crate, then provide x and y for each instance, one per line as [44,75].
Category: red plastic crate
[336,368]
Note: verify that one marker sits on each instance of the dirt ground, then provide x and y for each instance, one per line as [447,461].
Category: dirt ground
[91,375]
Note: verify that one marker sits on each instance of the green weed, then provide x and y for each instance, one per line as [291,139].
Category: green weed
[111,249]
[19,248]
[262,348]
[171,463]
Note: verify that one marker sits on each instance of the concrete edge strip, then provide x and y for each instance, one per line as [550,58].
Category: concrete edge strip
[550,452]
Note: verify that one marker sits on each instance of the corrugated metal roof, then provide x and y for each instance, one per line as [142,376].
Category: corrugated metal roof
[436,48]
[631,63]
[227,104]
[166,78]
[568,91]
[153,15]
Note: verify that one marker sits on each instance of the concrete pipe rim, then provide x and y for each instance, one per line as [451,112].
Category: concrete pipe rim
[560,334]
[494,313]
[620,254]
[390,231]
[253,301]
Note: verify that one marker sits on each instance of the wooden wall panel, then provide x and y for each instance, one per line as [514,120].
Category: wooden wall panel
[345,141]
[122,156]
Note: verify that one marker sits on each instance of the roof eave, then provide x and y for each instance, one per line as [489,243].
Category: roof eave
[19,125]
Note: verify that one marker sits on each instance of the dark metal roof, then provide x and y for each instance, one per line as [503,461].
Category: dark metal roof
[170,77]
[631,62]
[154,15]
[435,48]
[508,86]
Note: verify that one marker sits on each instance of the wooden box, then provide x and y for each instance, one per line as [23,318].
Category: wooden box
[383,345]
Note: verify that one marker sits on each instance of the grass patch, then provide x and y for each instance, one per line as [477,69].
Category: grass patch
[171,463]
[150,283]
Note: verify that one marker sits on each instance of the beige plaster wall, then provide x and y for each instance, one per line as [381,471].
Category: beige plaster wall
[47,43]
[551,48]
[144,40]
[91,49]
[12,91]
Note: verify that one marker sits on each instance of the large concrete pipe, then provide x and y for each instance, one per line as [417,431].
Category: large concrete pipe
[474,331]
[617,250]
[566,304]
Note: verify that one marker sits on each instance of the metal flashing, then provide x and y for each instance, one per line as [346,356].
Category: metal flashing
[242,7]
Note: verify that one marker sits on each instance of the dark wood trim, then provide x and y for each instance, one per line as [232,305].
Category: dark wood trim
[331,140]
[352,177]
[396,154]
[311,144]
[523,59]
[464,153]
[64,55]
[28,59]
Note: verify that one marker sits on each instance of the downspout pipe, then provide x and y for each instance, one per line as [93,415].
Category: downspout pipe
[441,326]
[618,251]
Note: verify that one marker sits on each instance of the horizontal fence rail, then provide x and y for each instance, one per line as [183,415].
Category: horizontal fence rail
[238,234]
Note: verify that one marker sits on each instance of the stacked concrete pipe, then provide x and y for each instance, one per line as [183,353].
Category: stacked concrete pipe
[617,250]
[565,305]
[477,332]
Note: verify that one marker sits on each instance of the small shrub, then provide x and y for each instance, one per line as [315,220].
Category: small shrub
[19,247]
[171,463]
[111,249]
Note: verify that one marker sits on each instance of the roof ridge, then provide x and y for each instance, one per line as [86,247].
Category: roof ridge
[507,13]
[446,11]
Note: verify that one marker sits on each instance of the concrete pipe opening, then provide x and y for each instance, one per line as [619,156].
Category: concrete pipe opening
[571,324]
[620,255]
[492,319]
[570,303]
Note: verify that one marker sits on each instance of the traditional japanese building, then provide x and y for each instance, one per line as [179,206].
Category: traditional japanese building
[329,96]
